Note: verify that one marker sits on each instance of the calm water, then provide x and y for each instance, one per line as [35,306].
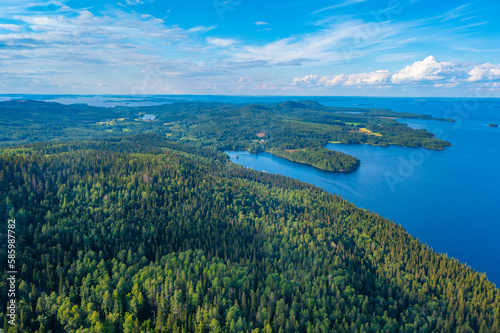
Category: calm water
[448,199]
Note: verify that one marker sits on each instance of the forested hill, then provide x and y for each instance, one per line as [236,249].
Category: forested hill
[297,131]
[141,234]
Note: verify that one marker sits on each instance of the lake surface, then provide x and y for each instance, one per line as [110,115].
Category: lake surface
[448,199]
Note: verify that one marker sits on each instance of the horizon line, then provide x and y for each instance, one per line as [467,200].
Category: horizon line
[232,95]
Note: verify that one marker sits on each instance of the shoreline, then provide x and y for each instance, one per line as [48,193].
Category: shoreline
[390,144]
[305,163]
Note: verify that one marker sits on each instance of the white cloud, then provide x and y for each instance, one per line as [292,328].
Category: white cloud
[76,49]
[137,2]
[77,28]
[332,80]
[335,43]
[378,77]
[310,79]
[485,72]
[374,78]
[61,46]
[222,42]
[201,28]
[267,86]
[457,12]
[11,27]
[152,18]
[429,70]
[447,85]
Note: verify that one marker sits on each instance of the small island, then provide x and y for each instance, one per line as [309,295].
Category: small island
[493,125]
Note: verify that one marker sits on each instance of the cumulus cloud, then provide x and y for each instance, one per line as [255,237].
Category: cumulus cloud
[378,77]
[310,79]
[428,71]
[332,80]
[485,72]
[374,78]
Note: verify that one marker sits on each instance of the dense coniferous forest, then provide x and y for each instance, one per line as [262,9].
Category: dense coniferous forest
[297,131]
[139,233]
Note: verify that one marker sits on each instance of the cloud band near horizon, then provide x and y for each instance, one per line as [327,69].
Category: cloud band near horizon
[427,71]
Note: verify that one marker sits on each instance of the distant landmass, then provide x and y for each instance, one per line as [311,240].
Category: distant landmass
[297,131]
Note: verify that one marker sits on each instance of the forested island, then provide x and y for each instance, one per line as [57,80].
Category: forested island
[140,233]
[297,131]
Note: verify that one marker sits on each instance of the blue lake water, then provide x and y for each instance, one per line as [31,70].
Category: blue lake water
[448,199]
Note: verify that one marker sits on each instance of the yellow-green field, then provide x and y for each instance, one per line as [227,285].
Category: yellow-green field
[367,131]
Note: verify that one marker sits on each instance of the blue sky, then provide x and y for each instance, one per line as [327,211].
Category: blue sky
[243,47]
